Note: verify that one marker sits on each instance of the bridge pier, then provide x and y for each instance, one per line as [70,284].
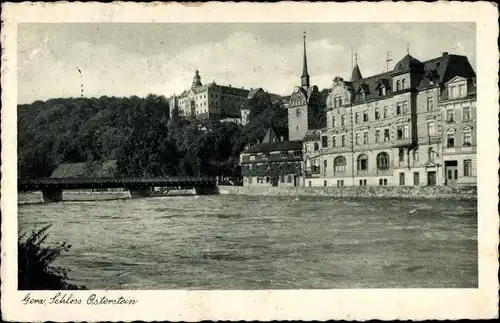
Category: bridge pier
[52,195]
[141,192]
[206,190]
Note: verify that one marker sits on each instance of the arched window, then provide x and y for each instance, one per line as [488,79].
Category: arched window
[362,163]
[403,84]
[339,164]
[431,154]
[398,85]
[383,161]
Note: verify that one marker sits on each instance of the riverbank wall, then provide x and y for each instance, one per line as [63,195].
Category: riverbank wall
[36,197]
[403,192]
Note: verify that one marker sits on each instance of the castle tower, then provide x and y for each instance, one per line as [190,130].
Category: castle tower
[304,79]
[196,80]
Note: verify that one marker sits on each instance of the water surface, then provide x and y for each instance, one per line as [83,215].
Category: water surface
[243,242]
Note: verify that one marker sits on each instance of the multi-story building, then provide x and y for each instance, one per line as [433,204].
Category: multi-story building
[389,129]
[272,162]
[209,101]
[457,104]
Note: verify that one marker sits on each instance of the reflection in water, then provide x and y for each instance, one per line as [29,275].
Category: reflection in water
[240,242]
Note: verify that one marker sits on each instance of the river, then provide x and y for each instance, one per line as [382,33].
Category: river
[242,242]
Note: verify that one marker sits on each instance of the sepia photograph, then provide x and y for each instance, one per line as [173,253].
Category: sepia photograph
[244,156]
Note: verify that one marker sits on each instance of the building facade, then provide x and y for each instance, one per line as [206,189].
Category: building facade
[272,162]
[208,101]
[400,127]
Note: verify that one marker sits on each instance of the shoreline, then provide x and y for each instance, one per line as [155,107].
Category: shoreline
[347,192]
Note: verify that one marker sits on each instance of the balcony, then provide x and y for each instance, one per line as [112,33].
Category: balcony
[459,150]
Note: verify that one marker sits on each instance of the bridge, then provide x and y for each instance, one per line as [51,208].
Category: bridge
[52,187]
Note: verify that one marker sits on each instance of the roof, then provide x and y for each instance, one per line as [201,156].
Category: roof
[270,136]
[275,146]
[434,71]
[312,135]
[356,74]
[408,62]
[75,170]
[252,92]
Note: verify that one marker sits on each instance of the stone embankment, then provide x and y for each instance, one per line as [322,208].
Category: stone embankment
[87,195]
[403,192]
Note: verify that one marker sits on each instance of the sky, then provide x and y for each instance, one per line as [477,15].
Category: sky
[117,59]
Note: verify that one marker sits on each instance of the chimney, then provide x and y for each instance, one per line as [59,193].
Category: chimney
[445,53]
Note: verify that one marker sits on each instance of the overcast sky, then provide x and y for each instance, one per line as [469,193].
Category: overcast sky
[138,59]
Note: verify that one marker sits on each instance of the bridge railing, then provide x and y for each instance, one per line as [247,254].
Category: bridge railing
[117,180]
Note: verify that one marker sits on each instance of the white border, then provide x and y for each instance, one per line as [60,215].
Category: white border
[417,304]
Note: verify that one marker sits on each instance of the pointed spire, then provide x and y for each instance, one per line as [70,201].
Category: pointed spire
[356,73]
[305,75]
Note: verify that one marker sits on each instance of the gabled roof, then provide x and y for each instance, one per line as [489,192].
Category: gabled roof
[275,146]
[270,136]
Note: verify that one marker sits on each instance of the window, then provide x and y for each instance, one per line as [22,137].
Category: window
[462,90]
[316,146]
[383,161]
[362,163]
[343,140]
[340,182]
[415,157]
[324,142]
[265,156]
[386,112]
[416,178]
[325,164]
[405,107]
[324,183]
[386,135]
[450,139]
[298,127]
[252,157]
[401,179]
[467,137]
[365,138]
[398,108]
[356,138]
[334,141]
[298,112]
[283,154]
[333,122]
[380,182]
[377,114]
[399,131]
[467,167]
[466,114]
[401,155]
[365,116]
[309,183]
[339,164]
[406,131]
[398,85]
[430,103]
[449,115]
[360,182]
[403,84]
[340,101]
[431,154]
[377,135]
[282,178]
[356,117]
[343,120]
[430,128]
[289,179]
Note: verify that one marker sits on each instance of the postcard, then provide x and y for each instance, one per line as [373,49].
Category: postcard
[249,161]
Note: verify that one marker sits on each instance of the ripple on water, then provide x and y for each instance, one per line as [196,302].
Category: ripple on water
[241,242]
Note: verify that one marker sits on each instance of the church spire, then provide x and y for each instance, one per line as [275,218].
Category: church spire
[305,75]
[356,73]
[196,80]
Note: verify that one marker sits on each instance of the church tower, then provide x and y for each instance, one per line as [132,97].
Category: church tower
[196,80]
[304,79]
[303,105]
